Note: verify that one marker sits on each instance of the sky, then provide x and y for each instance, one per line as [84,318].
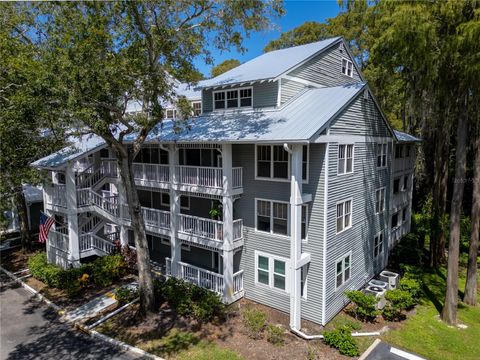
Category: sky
[297,12]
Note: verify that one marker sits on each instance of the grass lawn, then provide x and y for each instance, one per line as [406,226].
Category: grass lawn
[426,335]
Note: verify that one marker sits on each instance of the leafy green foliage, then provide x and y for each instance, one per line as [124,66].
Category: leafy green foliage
[398,301]
[306,33]
[109,268]
[254,321]
[190,300]
[125,294]
[43,271]
[224,67]
[275,334]
[412,286]
[342,340]
[364,305]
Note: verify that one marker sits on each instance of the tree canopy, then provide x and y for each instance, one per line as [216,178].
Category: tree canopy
[224,67]
[308,32]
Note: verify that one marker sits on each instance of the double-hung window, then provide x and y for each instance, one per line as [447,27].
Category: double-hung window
[344,215]
[381,155]
[380,200]
[171,114]
[272,217]
[398,151]
[395,222]
[271,271]
[345,159]
[378,244]
[343,267]
[231,99]
[347,67]
[197,108]
[273,162]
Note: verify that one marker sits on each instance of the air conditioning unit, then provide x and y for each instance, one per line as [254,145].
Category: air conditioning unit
[379,293]
[378,283]
[391,278]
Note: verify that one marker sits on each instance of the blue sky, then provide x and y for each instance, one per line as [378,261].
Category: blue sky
[297,12]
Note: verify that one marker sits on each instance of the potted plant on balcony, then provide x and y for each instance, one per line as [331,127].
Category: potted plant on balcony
[216,213]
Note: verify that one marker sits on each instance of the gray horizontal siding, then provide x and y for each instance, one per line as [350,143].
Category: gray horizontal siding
[360,186]
[326,68]
[289,89]
[264,95]
[361,117]
[280,246]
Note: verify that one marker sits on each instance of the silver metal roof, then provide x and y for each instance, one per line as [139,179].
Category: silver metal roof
[269,65]
[404,137]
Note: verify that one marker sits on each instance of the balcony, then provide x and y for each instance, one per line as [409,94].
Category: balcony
[207,231]
[204,278]
[189,178]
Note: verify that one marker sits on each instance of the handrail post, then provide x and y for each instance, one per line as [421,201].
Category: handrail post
[227,202]
[174,211]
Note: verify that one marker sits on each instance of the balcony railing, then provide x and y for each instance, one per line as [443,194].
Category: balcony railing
[152,217]
[237,229]
[198,276]
[92,242]
[151,172]
[58,240]
[206,228]
[211,177]
[87,197]
[237,282]
[58,195]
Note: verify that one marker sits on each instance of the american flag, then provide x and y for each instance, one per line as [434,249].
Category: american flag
[46,223]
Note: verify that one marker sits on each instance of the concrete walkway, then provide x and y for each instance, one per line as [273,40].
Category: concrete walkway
[91,308]
[383,351]
[30,330]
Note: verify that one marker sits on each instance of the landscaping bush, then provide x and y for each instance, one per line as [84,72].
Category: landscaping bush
[408,251]
[398,301]
[342,340]
[254,321]
[412,286]
[275,334]
[108,268]
[43,271]
[126,294]
[364,305]
[190,300]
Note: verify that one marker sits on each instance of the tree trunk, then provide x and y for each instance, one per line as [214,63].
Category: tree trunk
[145,280]
[470,296]
[449,312]
[22,209]
[439,201]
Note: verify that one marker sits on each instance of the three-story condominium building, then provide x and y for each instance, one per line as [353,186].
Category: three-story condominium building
[288,188]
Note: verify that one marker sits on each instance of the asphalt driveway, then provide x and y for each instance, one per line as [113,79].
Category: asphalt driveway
[30,330]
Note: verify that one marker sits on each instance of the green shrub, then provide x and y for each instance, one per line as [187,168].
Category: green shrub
[398,301]
[412,286]
[342,340]
[364,305]
[254,321]
[108,268]
[275,334]
[125,294]
[190,300]
[48,273]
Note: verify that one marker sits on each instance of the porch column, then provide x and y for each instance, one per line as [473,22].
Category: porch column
[47,197]
[71,197]
[227,205]
[175,244]
[296,236]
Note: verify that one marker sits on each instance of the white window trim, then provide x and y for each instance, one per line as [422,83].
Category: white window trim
[346,67]
[271,217]
[376,155]
[271,265]
[353,159]
[382,235]
[341,259]
[271,178]
[201,107]
[225,109]
[305,282]
[161,199]
[399,178]
[405,188]
[399,223]
[384,190]
[304,241]
[351,215]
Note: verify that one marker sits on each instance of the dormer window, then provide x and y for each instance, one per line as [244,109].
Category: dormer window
[347,67]
[232,99]
[197,108]
[171,114]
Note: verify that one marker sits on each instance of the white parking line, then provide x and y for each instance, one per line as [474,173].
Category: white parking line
[405,354]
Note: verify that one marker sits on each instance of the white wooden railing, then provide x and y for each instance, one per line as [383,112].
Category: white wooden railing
[200,176]
[58,240]
[238,282]
[92,241]
[207,228]
[88,197]
[151,172]
[156,218]
[88,179]
[198,276]
[237,177]
[237,229]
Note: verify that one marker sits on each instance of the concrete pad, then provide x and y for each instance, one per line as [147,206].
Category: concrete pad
[91,308]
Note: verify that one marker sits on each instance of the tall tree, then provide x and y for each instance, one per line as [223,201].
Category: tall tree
[224,67]
[106,54]
[308,32]
[24,110]
[470,294]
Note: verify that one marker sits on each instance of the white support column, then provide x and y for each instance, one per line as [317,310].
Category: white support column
[47,194]
[227,206]
[175,244]
[71,196]
[296,236]
[122,200]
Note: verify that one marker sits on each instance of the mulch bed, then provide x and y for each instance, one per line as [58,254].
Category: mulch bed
[15,260]
[231,333]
